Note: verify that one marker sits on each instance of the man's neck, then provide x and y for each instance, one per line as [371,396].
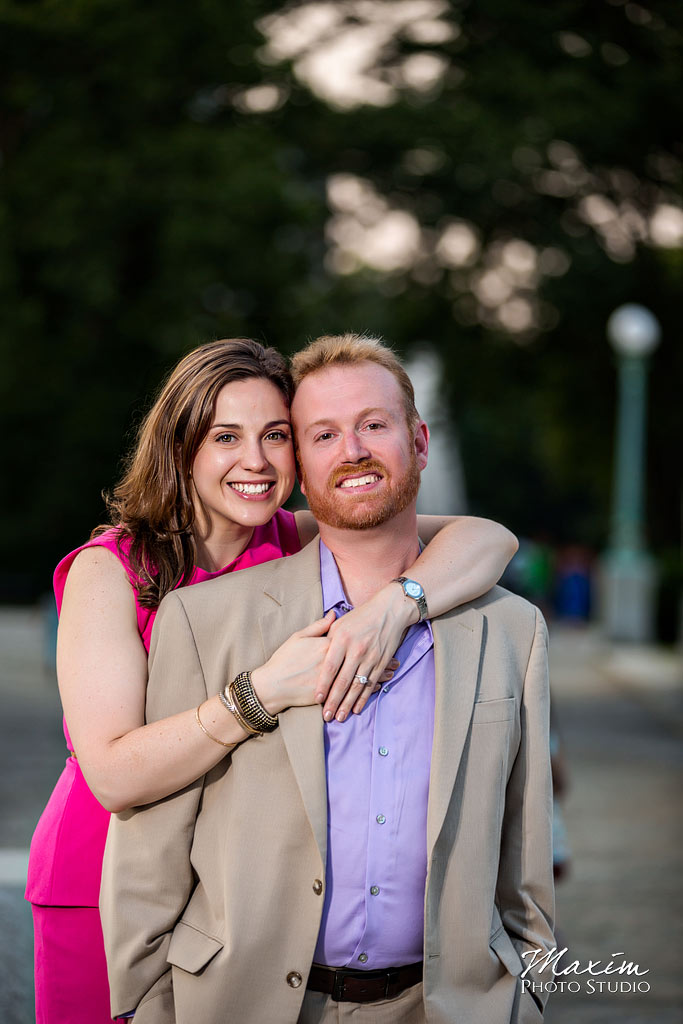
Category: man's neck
[369,559]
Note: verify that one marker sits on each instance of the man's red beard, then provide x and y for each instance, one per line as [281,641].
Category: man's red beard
[365,510]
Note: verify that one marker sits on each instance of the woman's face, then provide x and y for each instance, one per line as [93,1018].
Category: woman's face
[244,469]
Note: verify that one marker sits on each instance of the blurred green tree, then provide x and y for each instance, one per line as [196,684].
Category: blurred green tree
[142,214]
[488,179]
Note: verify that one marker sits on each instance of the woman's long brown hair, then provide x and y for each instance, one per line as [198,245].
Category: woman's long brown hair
[152,504]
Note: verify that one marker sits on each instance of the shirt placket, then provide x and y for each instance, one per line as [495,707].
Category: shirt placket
[381,834]
[384,798]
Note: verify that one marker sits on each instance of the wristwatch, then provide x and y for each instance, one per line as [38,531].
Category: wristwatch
[414,590]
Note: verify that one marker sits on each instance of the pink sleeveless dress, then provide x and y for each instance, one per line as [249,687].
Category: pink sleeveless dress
[65,862]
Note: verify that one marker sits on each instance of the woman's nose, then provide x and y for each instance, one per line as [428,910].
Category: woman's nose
[253,456]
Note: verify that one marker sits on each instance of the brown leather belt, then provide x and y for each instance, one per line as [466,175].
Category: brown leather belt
[347,985]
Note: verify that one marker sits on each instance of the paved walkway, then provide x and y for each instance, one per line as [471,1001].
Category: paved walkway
[621,716]
[31,758]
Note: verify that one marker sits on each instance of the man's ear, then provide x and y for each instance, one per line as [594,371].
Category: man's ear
[299,474]
[421,443]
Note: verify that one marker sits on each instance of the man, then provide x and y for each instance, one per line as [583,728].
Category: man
[410,846]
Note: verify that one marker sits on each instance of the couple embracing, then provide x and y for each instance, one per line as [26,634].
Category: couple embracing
[343,759]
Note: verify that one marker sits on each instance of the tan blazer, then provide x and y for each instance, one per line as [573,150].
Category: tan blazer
[211,899]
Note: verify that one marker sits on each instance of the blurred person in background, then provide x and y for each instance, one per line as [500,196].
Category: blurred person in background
[573,586]
[201,497]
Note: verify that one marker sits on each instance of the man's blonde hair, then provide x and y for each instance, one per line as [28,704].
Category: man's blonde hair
[349,350]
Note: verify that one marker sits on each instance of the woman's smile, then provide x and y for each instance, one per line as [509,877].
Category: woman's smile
[252,490]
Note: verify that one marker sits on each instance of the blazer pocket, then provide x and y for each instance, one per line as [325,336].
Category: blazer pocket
[500,710]
[502,946]
[191,949]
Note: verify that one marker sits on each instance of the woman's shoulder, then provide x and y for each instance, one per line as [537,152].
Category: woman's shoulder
[306,526]
[111,540]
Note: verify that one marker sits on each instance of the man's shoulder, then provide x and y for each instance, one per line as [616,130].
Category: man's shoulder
[499,601]
[507,625]
[246,582]
[505,609]
[275,575]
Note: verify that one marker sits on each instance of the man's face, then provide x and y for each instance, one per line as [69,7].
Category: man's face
[360,464]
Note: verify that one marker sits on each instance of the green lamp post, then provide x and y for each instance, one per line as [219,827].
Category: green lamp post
[629,576]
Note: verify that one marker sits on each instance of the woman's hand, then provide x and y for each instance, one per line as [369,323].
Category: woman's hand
[363,643]
[292,675]
[289,677]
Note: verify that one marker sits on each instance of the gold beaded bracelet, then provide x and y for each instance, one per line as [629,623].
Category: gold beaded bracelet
[242,694]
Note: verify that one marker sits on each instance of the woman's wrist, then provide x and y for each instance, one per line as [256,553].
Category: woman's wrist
[403,608]
[265,691]
[221,724]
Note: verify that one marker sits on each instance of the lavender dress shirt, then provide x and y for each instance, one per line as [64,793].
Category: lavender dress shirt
[377,767]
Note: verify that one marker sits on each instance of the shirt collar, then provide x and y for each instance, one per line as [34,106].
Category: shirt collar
[333,590]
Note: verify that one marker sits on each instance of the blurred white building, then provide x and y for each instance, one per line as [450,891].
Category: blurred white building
[443,486]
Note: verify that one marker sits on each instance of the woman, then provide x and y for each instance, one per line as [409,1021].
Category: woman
[202,496]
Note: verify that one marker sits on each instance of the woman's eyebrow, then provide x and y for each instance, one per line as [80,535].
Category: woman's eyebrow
[238,426]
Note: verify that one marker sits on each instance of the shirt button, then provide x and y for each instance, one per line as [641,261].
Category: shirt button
[380,819]
[317,887]
[385,689]
[363,957]
[374,890]
[294,979]
[383,751]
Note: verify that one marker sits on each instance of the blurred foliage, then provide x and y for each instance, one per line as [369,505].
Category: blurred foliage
[145,210]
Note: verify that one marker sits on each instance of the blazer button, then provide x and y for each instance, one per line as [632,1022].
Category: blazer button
[317,887]
[294,979]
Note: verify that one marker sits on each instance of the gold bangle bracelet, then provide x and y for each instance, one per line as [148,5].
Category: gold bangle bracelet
[228,701]
[215,739]
[232,708]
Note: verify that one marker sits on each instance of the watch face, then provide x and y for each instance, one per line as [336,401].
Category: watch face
[413,589]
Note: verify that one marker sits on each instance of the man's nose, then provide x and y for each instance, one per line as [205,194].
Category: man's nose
[355,450]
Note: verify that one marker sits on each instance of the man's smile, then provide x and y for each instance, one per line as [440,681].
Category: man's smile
[359,478]
[354,482]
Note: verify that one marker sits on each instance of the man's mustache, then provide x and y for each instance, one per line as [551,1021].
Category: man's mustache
[356,469]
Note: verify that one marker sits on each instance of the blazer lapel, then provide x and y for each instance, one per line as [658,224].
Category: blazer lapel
[457,654]
[294,600]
